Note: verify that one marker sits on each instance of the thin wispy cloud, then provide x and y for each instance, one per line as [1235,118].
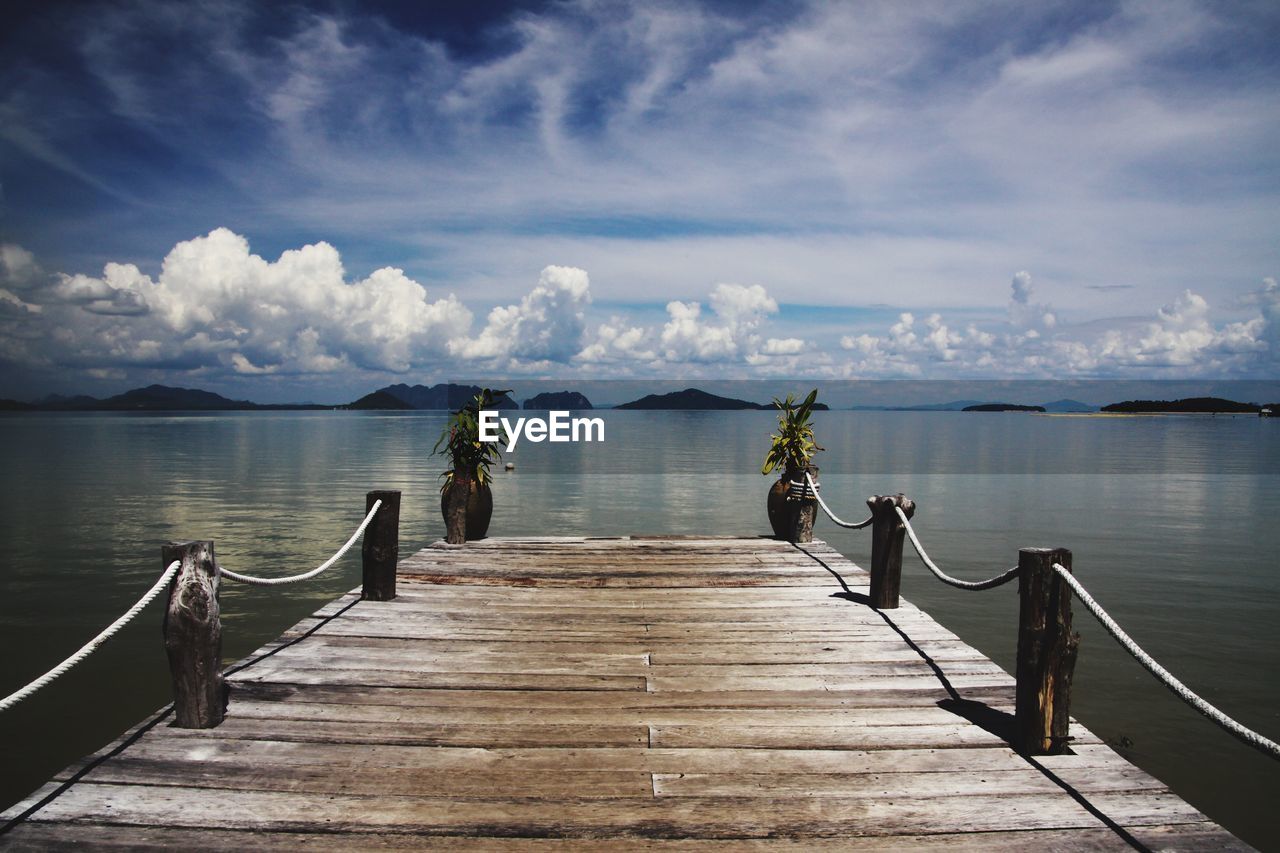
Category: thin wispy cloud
[815,155]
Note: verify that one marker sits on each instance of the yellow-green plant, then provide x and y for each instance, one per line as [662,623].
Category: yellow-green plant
[792,445]
[461,440]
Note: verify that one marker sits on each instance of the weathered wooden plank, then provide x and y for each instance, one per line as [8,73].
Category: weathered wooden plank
[362,714]
[435,734]
[941,736]
[925,679]
[209,749]
[63,836]
[377,780]
[370,779]
[887,663]
[954,783]
[617,699]
[661,651]
[672,817]
[452,680]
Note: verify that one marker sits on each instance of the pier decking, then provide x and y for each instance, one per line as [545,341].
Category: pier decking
[627,693]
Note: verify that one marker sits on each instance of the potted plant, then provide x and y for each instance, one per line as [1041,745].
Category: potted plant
[791,516]
[466,499]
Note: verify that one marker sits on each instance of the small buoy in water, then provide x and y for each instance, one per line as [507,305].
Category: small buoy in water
[510,466]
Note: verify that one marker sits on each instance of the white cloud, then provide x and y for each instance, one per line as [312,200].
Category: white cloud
[215,309]
[1024,313]
[617,344]
[783,346]
[217,304]
[18,268]
[547,325]
[118,292]
[731,335]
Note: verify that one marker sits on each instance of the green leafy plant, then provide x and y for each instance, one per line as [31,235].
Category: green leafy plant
[793,445]
[460,440]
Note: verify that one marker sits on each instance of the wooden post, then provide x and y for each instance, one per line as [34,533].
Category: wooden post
[804,511]
[1046,652]
[887,533]
[380,550]
[193,636]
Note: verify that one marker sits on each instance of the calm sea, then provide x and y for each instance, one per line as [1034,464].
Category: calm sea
[1172,521]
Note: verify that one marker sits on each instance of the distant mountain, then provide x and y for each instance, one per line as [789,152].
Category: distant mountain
[15,406]
[953,406]
[689,399]
[1073,406]
[58,402]
[693,399]
[548,400]
[162,398]
[1002,407]
[1188,404]
[379,401]
[449,397]
[967,405]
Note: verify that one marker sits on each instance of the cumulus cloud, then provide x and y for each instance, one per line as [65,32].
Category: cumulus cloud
[216,310]
[617,343]
[18,268]
[217,305]
[1181,340]
[547,325]
[119,292]
[1023,312]
[728,335]
[783,346]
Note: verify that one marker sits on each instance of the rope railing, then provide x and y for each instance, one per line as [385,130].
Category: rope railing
[989,583]
[1186,694]
[203,634]
[257,581]
[812,491]
[92,646]
[1046,644]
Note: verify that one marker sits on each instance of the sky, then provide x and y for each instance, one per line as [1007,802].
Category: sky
[310,200]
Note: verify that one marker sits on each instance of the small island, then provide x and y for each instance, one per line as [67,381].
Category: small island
[444,396]
[379,401]
[1002,407]
[689,399]
[695,399]
[153,398]
[1188,405]
[560,400]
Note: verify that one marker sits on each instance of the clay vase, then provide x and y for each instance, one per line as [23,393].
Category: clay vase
[782,512]
[479,510]
[785,515]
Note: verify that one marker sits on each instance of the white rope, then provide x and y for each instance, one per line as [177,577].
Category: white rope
[255,581]
[92,646]
[831,515]
[989,583]
[1179,689]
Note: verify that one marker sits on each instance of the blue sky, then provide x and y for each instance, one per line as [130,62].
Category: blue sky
[310,200]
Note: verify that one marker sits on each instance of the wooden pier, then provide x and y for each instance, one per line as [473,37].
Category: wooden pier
[617,694]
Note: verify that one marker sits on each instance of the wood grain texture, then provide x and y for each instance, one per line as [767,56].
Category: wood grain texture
[530,694]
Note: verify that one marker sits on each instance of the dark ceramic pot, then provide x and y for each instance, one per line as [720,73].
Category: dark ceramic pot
[479,510]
